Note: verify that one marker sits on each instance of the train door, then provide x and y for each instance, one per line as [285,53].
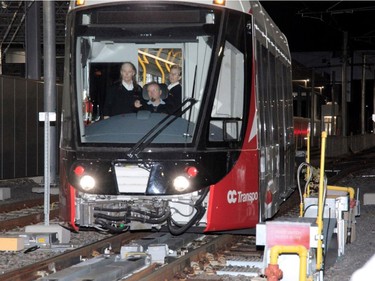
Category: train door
[279,120]
[288,133]
[274,124]
[268,159]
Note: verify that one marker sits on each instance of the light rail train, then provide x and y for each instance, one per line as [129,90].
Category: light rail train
[224,162]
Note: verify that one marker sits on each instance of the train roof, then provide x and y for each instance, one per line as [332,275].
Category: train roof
[263,22]
[243,6]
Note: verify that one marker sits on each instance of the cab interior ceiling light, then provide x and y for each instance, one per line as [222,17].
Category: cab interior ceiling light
[155,57]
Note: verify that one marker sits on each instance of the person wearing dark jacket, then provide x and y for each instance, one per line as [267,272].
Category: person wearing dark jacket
[175,89]
[155,104]
[124,96]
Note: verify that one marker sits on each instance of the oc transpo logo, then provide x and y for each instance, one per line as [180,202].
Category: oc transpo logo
[234,196]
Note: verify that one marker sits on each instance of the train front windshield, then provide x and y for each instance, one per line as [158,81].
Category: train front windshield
[153,38]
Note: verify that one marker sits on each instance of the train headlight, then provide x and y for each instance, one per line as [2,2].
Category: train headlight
[87,182]
[181,183]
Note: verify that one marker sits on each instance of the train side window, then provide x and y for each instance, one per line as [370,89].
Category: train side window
[227,111]
[262,64]
[273,100]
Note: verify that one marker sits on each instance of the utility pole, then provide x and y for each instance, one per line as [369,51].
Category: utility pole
[49,42]
[333,112]
[344,84]
[373,107]
[313,107]
[33,39]
[363,94]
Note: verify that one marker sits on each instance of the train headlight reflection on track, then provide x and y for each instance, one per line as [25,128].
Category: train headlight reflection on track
[87,182]
[181,183]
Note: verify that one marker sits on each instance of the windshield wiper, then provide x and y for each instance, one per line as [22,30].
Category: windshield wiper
[157,129]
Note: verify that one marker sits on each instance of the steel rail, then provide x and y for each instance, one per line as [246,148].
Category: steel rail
[22,221]
[168,272]
[13,206]
[69,258]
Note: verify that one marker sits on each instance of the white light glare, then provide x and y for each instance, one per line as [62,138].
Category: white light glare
[87,182]
[181,183]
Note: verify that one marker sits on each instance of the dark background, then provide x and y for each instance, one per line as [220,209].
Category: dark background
[315,26]
[318,25]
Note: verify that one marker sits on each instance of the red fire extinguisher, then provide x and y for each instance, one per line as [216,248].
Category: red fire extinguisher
[87,109]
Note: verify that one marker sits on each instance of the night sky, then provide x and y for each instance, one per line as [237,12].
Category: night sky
[312,26]
[319,25]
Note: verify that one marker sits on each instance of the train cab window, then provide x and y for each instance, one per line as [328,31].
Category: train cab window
[101,46]
[153,63]
[227,112]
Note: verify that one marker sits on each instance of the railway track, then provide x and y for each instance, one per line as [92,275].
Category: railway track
[25,204]
[19,214]
[208,256]
[205,258]
[222,255]
[67,259]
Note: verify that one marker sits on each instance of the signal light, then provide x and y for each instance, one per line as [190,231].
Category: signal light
[192,171]
[219,2]
[79,170]
[80,2]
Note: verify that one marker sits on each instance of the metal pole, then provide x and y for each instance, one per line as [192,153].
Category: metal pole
[344,84]
[363,94]
[299,101]
[33,38]
[49,42]
[47,117]
[312,105]
[332,131]
[308,102]
[46,169]
[373,105]
[49,102]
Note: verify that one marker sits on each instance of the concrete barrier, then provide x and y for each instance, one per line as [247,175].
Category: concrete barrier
[338,145]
